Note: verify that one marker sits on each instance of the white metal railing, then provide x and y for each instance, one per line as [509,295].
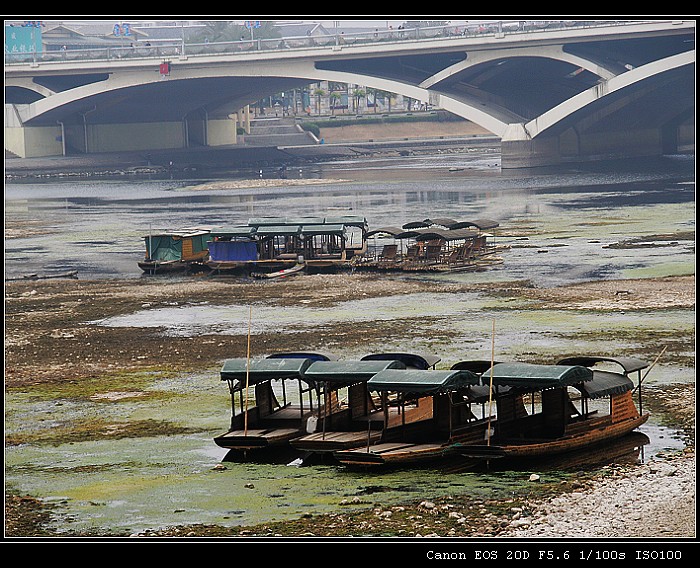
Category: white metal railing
[171,49]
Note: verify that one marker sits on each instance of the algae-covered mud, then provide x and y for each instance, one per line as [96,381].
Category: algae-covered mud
[113,394]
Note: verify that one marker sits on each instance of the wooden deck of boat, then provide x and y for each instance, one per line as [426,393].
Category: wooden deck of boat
[391,452]
[334,441]
[289,412]
[259,437]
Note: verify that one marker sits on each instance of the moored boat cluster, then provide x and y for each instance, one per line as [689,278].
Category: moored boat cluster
[398,409]
[272,246]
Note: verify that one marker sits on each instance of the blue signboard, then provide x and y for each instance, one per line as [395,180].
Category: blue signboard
[123,29]
[22,39]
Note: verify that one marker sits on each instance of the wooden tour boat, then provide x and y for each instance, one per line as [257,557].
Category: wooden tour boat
[432,245]
[280,246]
[349,424]
[175,251]
[432,438]
[555,424]
[268,421]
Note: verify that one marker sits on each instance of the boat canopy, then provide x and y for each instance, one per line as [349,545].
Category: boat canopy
[475,366]
[348,372]
[386,231]
[168,246]
[536,377]
[481,224]
[233,232]
[451,224]
[311,230]
[259,370]
[447,235]
[605,383]
[272,230]
[436,233]
[349,220]
[413,360]
[421,381]
[272,221]
[303,355]
[179,234]
[629,364]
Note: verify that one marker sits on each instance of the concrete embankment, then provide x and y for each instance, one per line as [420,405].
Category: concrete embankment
[344,142]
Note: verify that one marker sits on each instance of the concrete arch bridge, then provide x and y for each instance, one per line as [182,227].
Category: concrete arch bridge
[575,92]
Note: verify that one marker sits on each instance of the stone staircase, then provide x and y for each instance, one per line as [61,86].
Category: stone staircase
[276,131]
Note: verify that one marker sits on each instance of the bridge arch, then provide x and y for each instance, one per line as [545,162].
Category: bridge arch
[535,88]
[557,117]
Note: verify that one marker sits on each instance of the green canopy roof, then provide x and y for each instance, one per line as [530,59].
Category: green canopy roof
[258,370]
[314,356]
[278,230]
[420,381]
[349,220]
[235,231]
[531,376]
[605,383]
[308,230]
[415,360]
[629,364]
[344,371]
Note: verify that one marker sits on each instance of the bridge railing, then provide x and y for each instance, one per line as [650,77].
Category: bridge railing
[173,49]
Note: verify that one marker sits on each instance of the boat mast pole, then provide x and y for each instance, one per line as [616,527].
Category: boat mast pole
[641,379]
[247,375]
[493,340]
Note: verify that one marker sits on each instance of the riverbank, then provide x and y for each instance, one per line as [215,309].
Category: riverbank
[214,160]
[54,345]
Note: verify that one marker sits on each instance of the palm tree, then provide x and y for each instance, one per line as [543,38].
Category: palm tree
[318,92]
[334,97]
[357,95]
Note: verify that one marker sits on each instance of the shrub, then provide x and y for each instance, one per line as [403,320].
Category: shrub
[311,127]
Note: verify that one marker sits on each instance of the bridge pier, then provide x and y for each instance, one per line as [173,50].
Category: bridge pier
[519,151]
[77,137]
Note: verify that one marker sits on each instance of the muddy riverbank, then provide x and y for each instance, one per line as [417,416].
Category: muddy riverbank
[55,344]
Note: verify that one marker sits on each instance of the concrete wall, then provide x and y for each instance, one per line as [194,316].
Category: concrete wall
[34,142]
[221,132]
[135,137]
[574,147]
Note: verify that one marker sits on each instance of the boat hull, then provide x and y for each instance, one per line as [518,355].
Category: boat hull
[388,454]
[256,438]
[550,448]
[329,442]
[151,267]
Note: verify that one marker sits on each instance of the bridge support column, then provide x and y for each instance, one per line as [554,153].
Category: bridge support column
[518,150]
[34,142]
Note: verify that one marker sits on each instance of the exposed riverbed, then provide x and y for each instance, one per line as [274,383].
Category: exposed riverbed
[112,387]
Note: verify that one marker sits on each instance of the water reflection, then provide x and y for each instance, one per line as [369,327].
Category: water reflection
[122,211]
[558,223]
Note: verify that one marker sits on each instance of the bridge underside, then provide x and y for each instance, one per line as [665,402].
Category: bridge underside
[527,97]
[655,118]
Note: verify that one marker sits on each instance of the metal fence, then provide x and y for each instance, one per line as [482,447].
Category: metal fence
[179,48]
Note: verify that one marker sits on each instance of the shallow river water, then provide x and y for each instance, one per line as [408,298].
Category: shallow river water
[558,224]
